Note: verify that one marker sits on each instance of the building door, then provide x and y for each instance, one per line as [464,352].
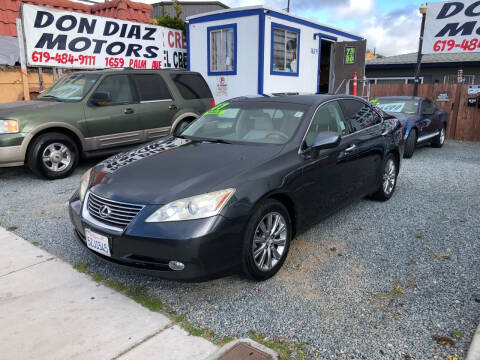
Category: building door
[348,57]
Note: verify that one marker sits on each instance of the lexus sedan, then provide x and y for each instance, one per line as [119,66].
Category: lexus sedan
[235,187]
[422,121]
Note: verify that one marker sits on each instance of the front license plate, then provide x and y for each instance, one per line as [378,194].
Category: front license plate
[97,242]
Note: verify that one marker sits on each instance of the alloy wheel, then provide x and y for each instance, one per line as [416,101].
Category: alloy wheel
[442,135]
[389,177]
[56,157]
[269,241]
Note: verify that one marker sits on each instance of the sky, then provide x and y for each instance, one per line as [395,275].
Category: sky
[390,26]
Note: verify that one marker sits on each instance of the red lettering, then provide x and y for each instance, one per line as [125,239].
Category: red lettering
[170,39]
[178,45]
[184,41]
[156,64]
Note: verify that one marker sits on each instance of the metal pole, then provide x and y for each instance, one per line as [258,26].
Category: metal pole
[419,57]
[288,6]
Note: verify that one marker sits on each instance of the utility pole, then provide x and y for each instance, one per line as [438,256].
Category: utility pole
[288,6]
[423,11]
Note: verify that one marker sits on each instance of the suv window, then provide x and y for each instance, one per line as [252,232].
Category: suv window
[428,107]
[151,87]
[191,86]
[328,117]
[359,114]
[118,86]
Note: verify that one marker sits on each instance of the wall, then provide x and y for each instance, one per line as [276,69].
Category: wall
[306,81]
[463,120]
[246,80]
[11,86]
[188,9]
[430,74]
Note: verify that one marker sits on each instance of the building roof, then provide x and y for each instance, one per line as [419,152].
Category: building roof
[183,3]
[284,14]
[118,9]
[411,58]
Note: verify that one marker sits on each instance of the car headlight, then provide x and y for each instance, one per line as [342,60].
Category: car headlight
[84,184]
[8,126]
[195,207]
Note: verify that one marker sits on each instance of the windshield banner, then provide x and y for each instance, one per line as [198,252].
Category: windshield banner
[74,40]
[452,27]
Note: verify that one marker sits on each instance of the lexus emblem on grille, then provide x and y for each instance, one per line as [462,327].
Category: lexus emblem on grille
[105,211]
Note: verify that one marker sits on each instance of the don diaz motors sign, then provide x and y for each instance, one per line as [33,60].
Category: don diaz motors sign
[452,27]
[75,40]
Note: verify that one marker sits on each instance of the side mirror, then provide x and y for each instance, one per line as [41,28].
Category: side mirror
[326,140]
[100,98]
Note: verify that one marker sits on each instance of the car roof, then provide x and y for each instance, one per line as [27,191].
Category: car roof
[132,70]
[401,97]
[311,99]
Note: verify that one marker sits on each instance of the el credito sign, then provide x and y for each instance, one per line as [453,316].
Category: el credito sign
[75,40]
[452,27]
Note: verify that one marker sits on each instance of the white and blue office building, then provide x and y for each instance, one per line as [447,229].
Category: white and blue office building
[257,50]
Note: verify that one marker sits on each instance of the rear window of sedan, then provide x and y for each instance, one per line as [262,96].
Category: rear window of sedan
[253,122]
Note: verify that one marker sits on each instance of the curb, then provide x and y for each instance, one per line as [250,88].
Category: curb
[474,350]
[217,354]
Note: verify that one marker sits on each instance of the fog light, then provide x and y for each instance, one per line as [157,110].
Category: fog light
[176,265]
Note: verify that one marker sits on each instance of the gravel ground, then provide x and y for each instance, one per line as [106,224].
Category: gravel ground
[374,281]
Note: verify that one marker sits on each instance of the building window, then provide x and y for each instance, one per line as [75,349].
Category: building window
[285,54]
[222,50]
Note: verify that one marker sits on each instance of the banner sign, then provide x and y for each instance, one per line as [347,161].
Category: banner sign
[74,40]
[451,27]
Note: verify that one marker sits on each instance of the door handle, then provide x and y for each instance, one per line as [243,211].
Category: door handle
[350,148]
[128,111]
[173,107]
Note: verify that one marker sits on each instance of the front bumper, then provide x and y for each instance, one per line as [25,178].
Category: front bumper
[11,150]
[208,247]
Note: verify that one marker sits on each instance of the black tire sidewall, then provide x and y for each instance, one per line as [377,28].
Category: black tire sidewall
[410,144]
[389,157]
[36,150]
[248,263]
[437,143]
[182,125]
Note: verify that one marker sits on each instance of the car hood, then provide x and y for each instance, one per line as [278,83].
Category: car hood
[17,107]
[404,118]
[174,168]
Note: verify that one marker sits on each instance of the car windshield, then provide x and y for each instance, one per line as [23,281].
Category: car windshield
[395,106]
[70,88]
[252,122]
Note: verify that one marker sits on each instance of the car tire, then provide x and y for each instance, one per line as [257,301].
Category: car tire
[53,156]
[389,179]
[259,261]
[440,138]
[181,126]
[410,144]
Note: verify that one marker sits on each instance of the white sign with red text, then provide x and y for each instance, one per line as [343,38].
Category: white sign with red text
[74,40]
[452,27]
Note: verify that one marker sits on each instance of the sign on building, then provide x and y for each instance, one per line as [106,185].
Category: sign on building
[452,27]
[74,40]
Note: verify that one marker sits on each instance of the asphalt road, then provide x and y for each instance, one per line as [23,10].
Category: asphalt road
[374,281]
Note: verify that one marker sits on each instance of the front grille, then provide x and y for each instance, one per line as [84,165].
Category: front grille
[111,212]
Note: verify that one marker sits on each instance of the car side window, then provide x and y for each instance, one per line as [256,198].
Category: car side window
[359,115]
[328,117]
[192,86]
[118,87]
[428,107]
[151,87]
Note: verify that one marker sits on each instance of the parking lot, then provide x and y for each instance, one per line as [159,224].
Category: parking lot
[376,280]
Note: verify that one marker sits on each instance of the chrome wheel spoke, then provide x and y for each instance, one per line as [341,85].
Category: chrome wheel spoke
[269,241]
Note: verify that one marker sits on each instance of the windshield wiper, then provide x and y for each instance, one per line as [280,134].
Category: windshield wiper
[218,141]
[52,97]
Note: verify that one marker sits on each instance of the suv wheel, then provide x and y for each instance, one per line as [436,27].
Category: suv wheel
[53,156]
[266,241]
[182,125]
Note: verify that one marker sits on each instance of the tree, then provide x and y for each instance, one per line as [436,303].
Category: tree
[172,22]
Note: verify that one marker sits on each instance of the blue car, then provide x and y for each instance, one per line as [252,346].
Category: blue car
[422,121]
